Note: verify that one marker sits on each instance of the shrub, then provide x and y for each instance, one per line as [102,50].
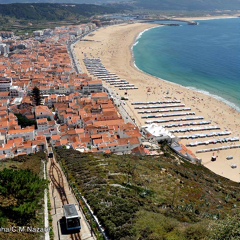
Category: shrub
[227,229]
[196,232]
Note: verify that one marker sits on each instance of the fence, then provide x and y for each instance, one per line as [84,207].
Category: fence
[90,218]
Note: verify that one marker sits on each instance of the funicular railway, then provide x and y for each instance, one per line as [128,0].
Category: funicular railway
[71,217]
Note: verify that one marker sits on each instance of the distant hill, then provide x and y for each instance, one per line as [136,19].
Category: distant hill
[55,12]
[187,5]
[63,1]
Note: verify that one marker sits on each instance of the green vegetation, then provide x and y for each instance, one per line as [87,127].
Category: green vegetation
[23,187]
[61,1]
[228,228]
[55,12]
[25,28]
[50,219]
[24,18]
[24,122]
[183,5]
[158,197]
[36,96]
[21,195]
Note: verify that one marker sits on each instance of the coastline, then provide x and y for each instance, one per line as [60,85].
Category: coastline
[117,57]
[206,18]
[134,43]
[202,91]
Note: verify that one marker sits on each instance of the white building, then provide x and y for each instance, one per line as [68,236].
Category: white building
[4,48]
[16,101]
[76,32]
[42,124]
[7,151]
[94,86]
[2,139]
[43,112]
[26,149]
[16,92]
[38,33]
[27,134]
[48,32]
[158,133]
[5,84]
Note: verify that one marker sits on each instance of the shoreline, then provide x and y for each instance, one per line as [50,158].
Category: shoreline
[114,46]
[201,91]
[192,88]
[133,63]
[207,18]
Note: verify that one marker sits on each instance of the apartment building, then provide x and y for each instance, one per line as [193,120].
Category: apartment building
[28,134]
[5,84]
[43,112]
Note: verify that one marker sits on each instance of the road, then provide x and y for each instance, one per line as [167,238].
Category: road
[122,106]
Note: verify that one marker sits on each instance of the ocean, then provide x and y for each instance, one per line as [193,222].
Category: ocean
[203,57]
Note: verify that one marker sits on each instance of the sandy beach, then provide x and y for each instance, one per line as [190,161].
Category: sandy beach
[209,17]
[113,46]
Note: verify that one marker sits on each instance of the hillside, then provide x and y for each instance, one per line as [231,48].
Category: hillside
[158,197]
[183,5]
[62,1]
[55,12]
[21,195]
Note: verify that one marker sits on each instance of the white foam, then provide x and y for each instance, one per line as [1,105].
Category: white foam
[136,43]
[232,105]
[141,33]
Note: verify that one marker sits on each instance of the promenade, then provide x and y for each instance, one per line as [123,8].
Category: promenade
[198,114]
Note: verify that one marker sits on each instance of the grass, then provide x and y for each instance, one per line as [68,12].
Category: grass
[34,164]
[127,193]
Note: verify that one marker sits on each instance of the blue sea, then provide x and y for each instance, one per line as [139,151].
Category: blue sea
[205,57]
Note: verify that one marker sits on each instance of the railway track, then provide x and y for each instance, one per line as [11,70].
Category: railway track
[57,181]
[76,236]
